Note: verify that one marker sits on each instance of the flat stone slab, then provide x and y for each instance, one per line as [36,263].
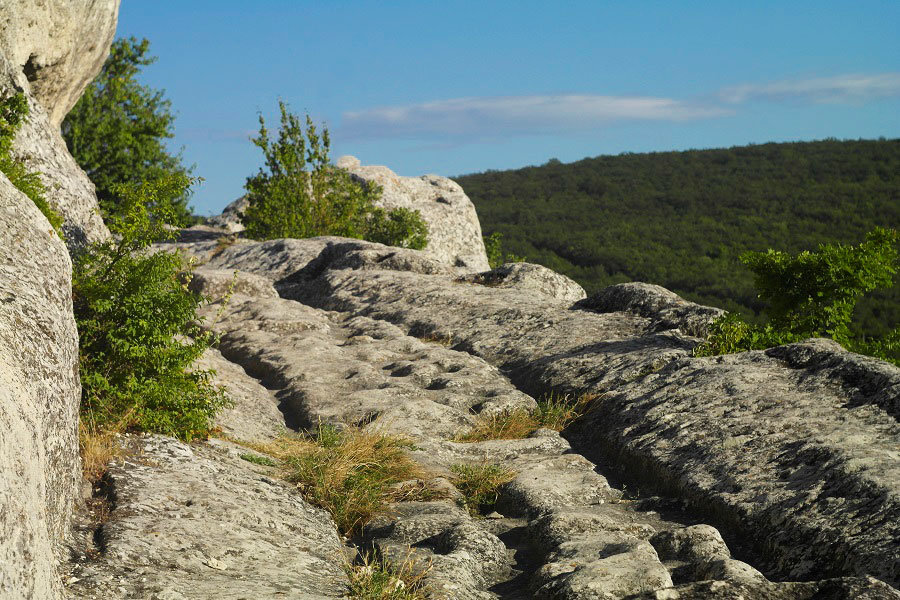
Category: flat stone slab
[195,521]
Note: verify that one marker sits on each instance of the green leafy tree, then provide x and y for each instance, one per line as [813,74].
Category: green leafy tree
[137,326]
[117,133]
[813,294]
[13,112]
[299,194]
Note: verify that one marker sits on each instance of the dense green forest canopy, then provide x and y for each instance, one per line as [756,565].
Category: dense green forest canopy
[682,219]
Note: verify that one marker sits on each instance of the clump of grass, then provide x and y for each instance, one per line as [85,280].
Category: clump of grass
[351,473]
[480,484]
[436,338]
[259,459]
[376,578]
[553,412]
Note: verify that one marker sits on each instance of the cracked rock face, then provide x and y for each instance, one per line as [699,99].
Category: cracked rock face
[189,521]
[39,394]
[798,457]
[49,50]
[392,340]
[52,50]
[454,232]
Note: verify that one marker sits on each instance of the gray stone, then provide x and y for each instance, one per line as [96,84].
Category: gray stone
[52,50]
[532,279]
[454,233]
[383,378]
[197,521]
[220,284]
[800,461]
[254,414]
[39,394]
[666,310]
[693,544]
[608,566]
[460,558]
[861,588]
[58,46]
[231,216]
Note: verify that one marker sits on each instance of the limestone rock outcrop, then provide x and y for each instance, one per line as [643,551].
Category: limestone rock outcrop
[49,50]
[454,232]
[788,451]
[39,394]
[52,50]
[230,219]
[201,522]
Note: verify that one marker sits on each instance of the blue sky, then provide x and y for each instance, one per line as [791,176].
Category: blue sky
[455,87]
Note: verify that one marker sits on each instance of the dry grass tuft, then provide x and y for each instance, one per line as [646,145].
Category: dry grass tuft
[98,446]
[375,578]
[351,473]
[480,484]
[553,412]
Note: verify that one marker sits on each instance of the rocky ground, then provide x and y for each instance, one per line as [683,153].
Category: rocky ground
[790,453]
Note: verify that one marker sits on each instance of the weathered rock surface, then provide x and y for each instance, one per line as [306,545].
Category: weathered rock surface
[777,454]
[231,217]
[58,46]
[39,394]
[666,310]
[454,232]
[198,522]
[369,373]
[530,279]
[49,50]
[254,415]
[52,50]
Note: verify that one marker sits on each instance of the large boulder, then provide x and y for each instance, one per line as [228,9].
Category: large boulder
[454,233]
[52,50]
[39,394]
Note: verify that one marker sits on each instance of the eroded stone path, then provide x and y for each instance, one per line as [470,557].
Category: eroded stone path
[340,352]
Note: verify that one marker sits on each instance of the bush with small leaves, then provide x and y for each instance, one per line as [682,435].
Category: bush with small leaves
[493,246]
[138,336]
[813,294]
[117,133]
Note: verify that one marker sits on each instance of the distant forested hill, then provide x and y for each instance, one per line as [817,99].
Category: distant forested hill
[682,219]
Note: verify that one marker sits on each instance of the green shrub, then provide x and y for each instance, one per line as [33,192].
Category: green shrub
[493,245]
[399,227]
[299,194]
[117,132]
[137,331]
[13,112]
[813,294]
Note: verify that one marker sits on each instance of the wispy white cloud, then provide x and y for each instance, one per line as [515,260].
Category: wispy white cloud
[517,115]
[838,89]
[476,118]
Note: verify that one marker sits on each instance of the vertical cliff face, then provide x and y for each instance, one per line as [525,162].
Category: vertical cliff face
[39,394]
[50,50]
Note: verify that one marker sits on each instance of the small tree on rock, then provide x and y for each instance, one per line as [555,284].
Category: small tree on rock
[299,194]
